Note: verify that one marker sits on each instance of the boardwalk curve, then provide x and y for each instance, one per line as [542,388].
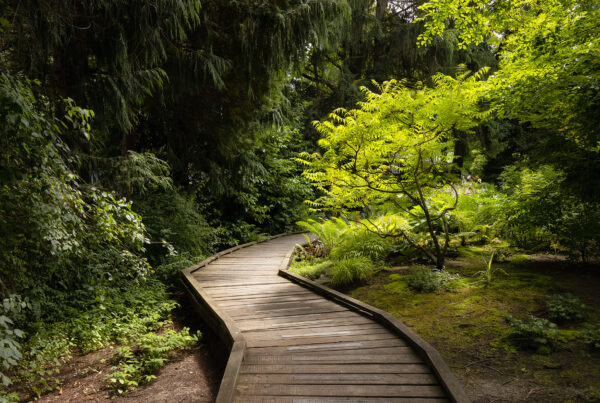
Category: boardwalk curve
[292,340]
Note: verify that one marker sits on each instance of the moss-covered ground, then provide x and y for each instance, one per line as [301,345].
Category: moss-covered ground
[468,326]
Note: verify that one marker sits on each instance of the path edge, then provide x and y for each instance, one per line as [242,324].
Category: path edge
[219,321]
[447,379]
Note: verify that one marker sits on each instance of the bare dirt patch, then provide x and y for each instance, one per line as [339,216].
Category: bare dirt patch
[192,375]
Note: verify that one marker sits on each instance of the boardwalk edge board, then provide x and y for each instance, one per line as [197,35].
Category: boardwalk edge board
[220,322]
[424,349]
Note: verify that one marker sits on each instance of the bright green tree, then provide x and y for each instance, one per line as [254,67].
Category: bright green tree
[397,149]
[549,53]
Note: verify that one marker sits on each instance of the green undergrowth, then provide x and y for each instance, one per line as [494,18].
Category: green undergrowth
[507,324]
[311,269]
[128,316]
[346,253]
[138,364]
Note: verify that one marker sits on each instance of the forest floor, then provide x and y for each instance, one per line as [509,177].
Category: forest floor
[468,328]
[193,374]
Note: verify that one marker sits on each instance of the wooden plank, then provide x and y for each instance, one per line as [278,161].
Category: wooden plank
[233,283]
[339,379]
[257,290]
[261,296]
[229,332]
[304,341]
[335,346]
[233,276]
[324,399]
[206,275]
[332,358]
[303,321]
[243,265]
[310,325]
[272,300]
[280,287]
[300,317]
[240,313]
[336,369]
[250,260]
[343,390]
[344,348]
[259,253]
[253,298]
[319,332]
[234,280]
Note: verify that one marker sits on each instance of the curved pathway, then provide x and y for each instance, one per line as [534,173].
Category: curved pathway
[294,345]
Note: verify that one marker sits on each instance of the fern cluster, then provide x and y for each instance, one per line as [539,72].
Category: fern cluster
[353,251]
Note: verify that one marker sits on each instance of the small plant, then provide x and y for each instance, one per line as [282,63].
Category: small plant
[566,308]
[9,397]
[310,269]
[310,251]
[538,334]
[351,270]
[329,231]
[359,242]
[488,274]
[592,336]
[10,336]
[137,366]
[426,280]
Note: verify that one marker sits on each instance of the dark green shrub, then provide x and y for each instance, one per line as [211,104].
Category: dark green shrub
[592,336]
[11,310]
[537,334]
[173,219]
[426,280]
[566,308]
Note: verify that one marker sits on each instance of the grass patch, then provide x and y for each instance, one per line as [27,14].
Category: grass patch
[311,269]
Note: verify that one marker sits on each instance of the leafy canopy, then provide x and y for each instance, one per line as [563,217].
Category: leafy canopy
[397,140]
[549,59]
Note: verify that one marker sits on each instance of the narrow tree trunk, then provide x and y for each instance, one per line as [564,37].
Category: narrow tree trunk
[382,5]
[128,142]
[439,254]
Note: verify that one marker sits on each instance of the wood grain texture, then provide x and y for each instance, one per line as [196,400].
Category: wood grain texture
[295,341]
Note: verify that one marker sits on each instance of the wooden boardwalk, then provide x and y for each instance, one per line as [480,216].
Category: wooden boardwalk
[290,343]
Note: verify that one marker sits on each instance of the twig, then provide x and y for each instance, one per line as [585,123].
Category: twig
[497,370]
[532,391]
[476,362]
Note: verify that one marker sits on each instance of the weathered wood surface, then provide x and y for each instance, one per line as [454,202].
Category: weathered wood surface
[306,343]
